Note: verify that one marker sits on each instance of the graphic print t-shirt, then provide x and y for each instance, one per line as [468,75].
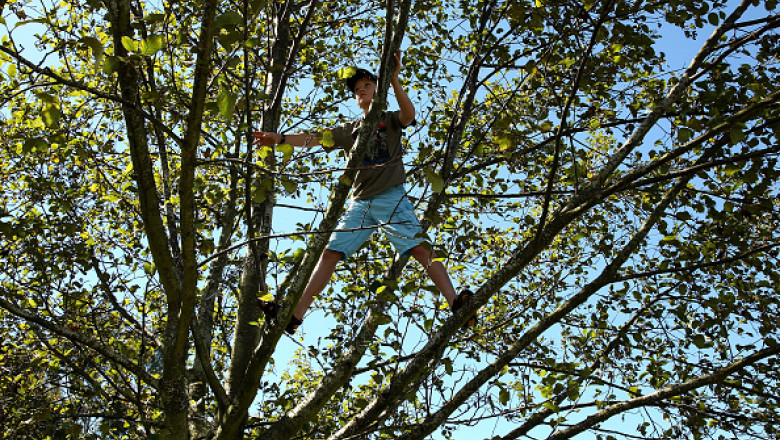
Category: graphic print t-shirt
[382,165]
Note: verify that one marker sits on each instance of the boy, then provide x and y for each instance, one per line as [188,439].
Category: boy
[378,196]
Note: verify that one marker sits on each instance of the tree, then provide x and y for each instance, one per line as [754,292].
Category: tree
[616,218]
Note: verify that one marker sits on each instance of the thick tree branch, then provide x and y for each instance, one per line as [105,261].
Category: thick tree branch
[179,287]
[139,152]
[173,383]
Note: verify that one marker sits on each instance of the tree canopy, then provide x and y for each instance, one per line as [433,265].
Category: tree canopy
[614,209]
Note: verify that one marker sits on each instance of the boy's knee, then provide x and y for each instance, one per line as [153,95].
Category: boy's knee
[331,255]
[421,254]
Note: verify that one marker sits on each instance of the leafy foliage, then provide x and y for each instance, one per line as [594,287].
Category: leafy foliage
[615,210]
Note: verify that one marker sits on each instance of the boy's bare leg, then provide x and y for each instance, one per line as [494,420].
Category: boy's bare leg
[318,281]
[436,271]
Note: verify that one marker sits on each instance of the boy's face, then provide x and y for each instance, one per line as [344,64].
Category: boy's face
[364,92]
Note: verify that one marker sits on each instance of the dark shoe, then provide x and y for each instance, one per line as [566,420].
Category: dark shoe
[463,296]
[269,308]
[293,325]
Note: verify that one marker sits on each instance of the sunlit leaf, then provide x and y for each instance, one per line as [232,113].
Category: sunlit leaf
[286,150]
[327,139]
[346,72]
[226,101]
[151,45]
[129,44]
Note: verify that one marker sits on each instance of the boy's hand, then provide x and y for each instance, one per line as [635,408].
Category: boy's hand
[397,65]
[266,138]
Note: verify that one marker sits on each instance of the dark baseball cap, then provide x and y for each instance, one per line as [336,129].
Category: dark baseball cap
[359,73]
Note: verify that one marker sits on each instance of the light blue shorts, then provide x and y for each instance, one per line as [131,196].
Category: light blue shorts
[389,210]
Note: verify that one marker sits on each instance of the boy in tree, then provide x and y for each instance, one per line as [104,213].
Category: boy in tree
[378,196]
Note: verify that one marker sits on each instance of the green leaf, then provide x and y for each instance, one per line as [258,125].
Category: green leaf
[129,44]
[345,180]
[684,134]
[51,116]
[503,396]
[286,150]
[568,62]
[97,49]
[573,391]
[154,18]
[346,72]
[38,144]
[151,45]
[264,151]
[447,365]
[259,195]
[46,98]
[229,19]
[699,341]
[110,65]
[437,183]
[683,216]
[226,102]
[736,135]
[327,139]
[227,40]
[731,169]
[504,143]
[289,186]
[383,320]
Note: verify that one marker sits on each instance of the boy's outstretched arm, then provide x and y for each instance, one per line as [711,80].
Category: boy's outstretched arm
[303,140]
[404,103]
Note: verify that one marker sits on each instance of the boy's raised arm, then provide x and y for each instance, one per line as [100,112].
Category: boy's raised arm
[406,116]
[302,140]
